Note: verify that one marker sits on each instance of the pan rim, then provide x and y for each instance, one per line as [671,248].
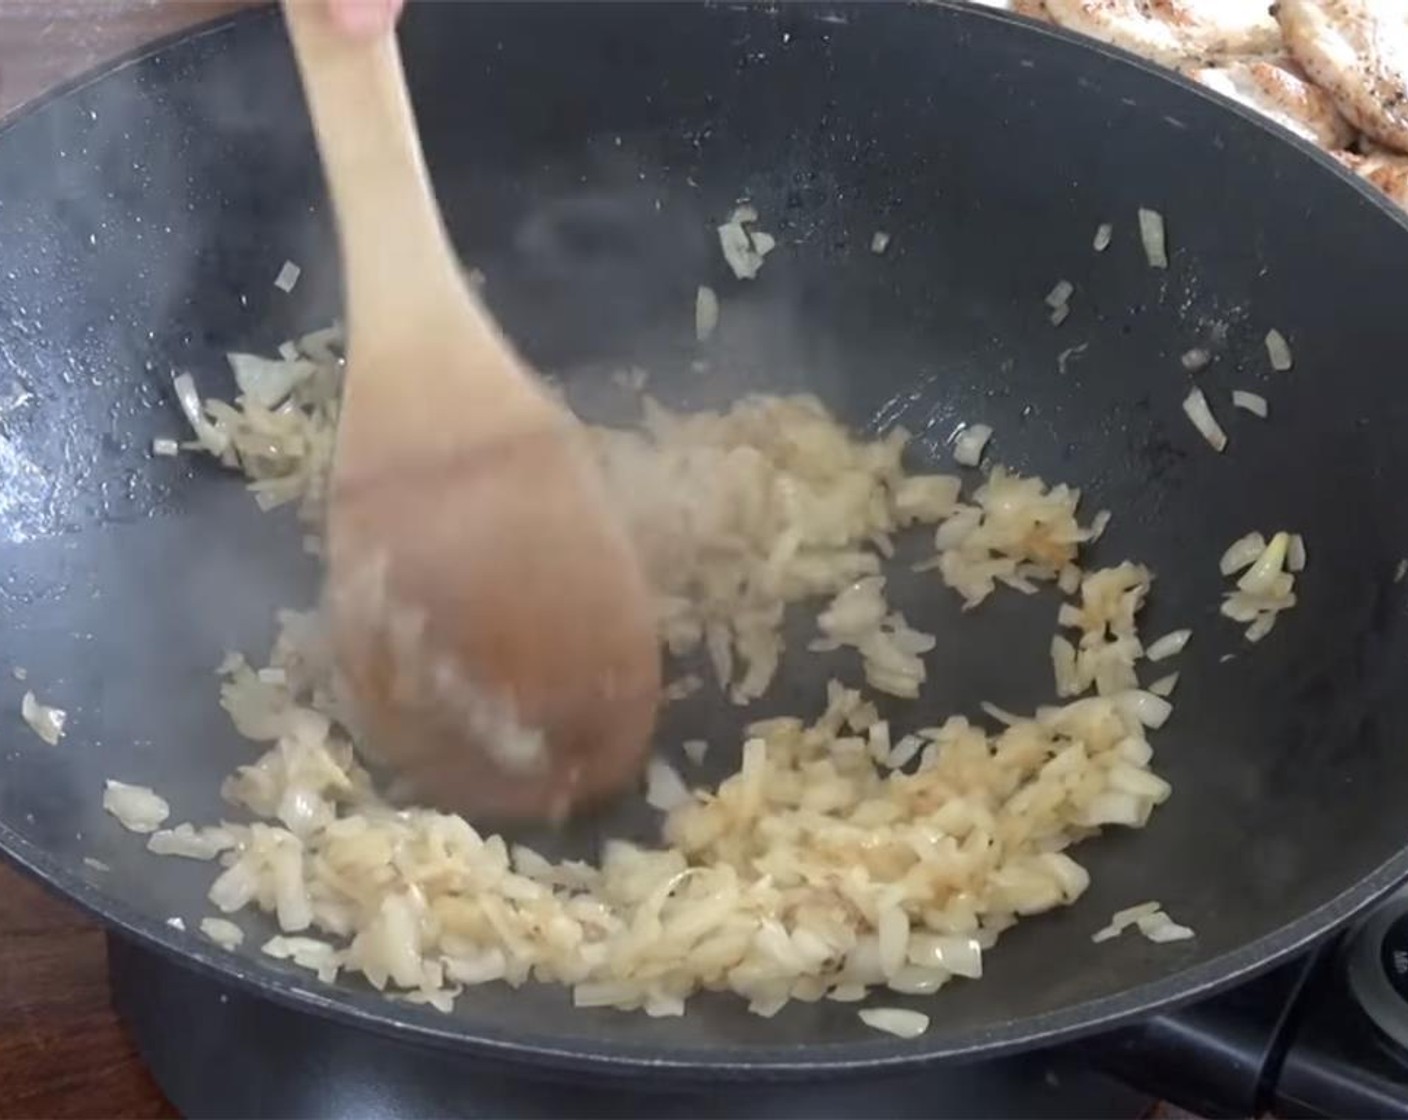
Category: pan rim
[369,1010]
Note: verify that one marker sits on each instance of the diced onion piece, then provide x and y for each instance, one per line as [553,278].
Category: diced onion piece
[288,350]
[1278,350]
[177,923]
[1154,237]
[895,1020]
[879,242]
[1195,405]
[268,382]
[191,843]
[166,447]
[1195,360]
[287,277]
[1164,686]
[664,788]
[1261,626]
[1060,314]
[1060,295]
[743,249]
[1242,553]
[1260,578]
[1159,928]
[1254,403]
[46,722]
[213,439]
[1170,645]
[1150,710]
[1104,233]
[739,253]
[1295,554]
[968,447]
[223,932]
[695,750]
[138,808]
[763,243]
[706,312]
[1121,920]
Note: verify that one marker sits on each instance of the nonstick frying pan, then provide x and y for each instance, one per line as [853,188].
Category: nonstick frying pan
[583,153]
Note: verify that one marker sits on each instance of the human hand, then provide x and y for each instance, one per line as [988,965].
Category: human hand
[365,19]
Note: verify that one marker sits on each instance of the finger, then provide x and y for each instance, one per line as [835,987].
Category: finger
[365,18]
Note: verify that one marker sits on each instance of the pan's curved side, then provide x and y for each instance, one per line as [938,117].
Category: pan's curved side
[147,214]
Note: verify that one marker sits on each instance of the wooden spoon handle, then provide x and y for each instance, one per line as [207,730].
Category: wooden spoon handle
[395,254]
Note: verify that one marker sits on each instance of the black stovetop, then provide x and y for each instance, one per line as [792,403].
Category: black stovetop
[1323,1036]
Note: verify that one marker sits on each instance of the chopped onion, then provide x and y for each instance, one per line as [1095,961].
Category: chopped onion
[706,312]
[1115,807]
[166,447]
[288,350]
[880,242]
[1063,359]
[1170,645]
[1121,920]
[1104,233]
[223,932]
[189,842]
[895,1020]
[1278,350]
[739,253]
[319,345]
[47,723]
[212,438]
[1060,295]
[905,752]
[664,788]
[960,955]
[1153,237]
[968,447]
[1398,573]
[1159,928]
[266,381]
[1242,553]
[744,250]
[287,277]
[1295,554]
[1254,403]
[1001,715]
[177,924]
[1164,686]
[1260,578]
[1060,314]
[1261,626]
[1195,405]
[1150,710]
[695,750]
[138,808]
[1195,360]
[20,673]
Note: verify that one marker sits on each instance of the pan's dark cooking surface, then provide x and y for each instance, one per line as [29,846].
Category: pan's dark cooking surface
[583,154]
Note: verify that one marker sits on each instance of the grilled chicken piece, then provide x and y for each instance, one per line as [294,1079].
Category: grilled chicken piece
[1357,52]
[1276,89]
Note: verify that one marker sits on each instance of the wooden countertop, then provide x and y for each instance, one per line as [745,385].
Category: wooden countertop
[62,1051]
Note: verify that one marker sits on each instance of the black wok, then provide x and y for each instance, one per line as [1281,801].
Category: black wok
[583,152]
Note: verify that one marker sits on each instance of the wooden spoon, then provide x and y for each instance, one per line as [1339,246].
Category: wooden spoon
[488,614]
